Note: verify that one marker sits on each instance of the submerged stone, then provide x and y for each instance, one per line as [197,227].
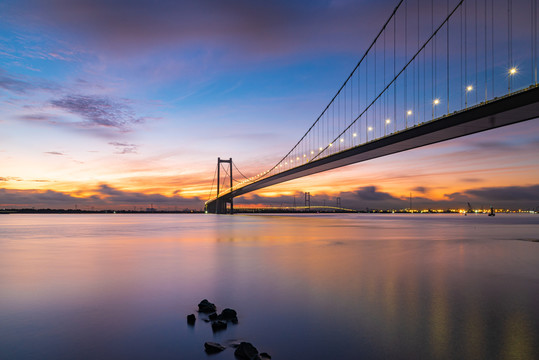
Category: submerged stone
[246,351]
[206,307]
[228,314]
[212,347]
[218,325]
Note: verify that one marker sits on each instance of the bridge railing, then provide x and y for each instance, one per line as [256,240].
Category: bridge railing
[430,59]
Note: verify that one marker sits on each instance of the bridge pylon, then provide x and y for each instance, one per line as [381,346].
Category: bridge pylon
[220,205]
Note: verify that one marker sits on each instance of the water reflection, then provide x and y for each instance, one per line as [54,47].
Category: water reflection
[355,286]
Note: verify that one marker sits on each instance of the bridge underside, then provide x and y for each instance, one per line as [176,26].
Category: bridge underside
[504,111]
[220,206]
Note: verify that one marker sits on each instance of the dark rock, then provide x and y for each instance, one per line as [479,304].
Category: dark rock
[213,316]
[218,325]
[206,307]
[228,314]
[246,351]
[265,355]
[212,347]
[191,319]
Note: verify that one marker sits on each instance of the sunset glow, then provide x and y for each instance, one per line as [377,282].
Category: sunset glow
[116,112]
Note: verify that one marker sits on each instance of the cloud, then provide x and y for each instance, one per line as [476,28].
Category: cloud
[14,85]
[21,85]
[420,189]
[370,193]
[123,148]
[255,27]
[471,180]
[99,111]
[104,197]
[509,193]
[54,153]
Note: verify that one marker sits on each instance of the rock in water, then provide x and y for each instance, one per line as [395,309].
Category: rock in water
[218,325]
[191,319]
[265,355]
[246,351]
[212,347]
[229,314]
[206,307]
[213,316]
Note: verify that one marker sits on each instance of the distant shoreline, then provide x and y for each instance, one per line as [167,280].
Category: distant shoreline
[256,211]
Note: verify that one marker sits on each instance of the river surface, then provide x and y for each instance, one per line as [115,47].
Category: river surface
[355,286]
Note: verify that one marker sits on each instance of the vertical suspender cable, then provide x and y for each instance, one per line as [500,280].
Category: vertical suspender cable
[492,43]
[476,56]
[485,37]
[461,59]
[395,73]
[374,127]
[405,60]
[433,46]
[465,46]
[418,64]
[447,56]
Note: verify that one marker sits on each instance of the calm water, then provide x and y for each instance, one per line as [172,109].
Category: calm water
[305,287]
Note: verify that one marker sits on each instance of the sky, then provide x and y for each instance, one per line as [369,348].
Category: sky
[125,104]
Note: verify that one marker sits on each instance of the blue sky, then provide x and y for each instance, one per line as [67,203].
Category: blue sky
[120,103]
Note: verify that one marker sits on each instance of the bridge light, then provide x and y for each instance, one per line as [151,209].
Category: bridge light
[370,128]
[469,88]
[304,155]
[409,112]
[330,144]
[319,149]
[513,71]
[312,152]
[354,134]
[297,158]
[388,121]
[436,101]
[342,140]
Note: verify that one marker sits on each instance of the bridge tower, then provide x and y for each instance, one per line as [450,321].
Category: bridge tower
[219,206]
[307,200]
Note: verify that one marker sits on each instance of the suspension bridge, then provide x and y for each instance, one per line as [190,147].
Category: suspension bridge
[437,70]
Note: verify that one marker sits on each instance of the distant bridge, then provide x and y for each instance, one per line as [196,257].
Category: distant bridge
[433,73]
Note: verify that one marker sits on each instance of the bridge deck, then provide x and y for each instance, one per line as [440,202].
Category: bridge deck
[508,110]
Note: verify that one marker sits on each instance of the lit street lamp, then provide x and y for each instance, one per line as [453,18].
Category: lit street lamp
[434,103]
[385,126]
[512,72]
[468,89]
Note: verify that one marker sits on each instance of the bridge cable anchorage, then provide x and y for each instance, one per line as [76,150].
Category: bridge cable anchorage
[400,72]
